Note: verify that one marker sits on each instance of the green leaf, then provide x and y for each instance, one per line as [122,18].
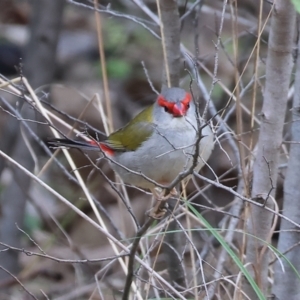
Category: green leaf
[118,68]
[296,4]
[32,223]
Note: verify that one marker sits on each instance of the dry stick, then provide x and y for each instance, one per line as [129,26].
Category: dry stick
[103,66]
[133,251]
[171,246]
[30,238]
[216,62]
[251,146]
[256,65]
[238,99]
[148,78]
[20,283]
[61,260]
[188,222]
[134,19]
[167,71]
[190,10]
[44,294]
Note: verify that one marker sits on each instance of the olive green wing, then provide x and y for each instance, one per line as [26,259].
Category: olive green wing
[130,137]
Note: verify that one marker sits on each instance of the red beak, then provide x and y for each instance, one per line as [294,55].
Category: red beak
[179,110]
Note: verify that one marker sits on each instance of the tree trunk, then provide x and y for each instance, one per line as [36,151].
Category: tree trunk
[286,285]
[278,71]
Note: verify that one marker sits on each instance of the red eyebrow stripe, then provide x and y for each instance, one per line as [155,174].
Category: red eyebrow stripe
[187,99]
[164,103]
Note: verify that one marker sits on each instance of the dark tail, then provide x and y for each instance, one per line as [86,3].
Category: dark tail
[65,143]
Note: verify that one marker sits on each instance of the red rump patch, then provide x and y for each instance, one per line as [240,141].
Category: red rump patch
[106,149]
[103,147]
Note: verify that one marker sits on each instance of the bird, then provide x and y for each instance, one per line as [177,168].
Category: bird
[156,145]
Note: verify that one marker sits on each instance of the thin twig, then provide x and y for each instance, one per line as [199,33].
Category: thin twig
[31,239]
[249,200]
[119,15]
[132,254]
[190,10]
[61,260]
[166,62]
[148,78]
[19,282]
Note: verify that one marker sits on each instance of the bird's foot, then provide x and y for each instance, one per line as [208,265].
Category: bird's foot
[161,206]
[159,193]
[158,211]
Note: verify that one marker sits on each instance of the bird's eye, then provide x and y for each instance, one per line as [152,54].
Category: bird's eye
[166,109]
[188,106]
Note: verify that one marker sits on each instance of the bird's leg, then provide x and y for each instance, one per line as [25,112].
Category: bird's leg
[160,207]
[159,193]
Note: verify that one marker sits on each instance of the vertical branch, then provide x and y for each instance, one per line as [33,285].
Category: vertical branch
[133,250]
[170,33]
[239,118]
[286,285]
[278,72]
[256,64]
[103,67]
